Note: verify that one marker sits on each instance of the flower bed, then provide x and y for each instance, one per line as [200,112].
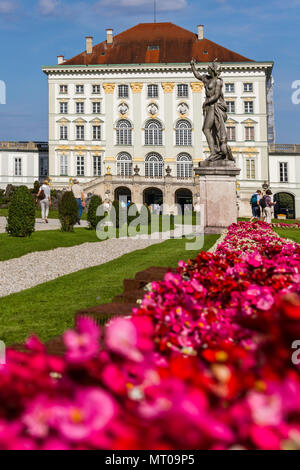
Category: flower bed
[204,363]
[294,226]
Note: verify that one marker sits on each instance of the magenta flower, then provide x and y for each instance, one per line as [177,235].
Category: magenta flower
[82,344]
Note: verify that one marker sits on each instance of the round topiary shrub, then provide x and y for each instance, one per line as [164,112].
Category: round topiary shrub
[68,212]
[92,218]
[133,210]
[21,213]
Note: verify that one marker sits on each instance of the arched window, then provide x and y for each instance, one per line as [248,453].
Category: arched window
[153,133]
[124,133]
[154,166]
[183,133]
[184,166]
[124,164]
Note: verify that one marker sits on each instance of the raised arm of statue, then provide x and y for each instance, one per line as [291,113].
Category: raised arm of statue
[195,71]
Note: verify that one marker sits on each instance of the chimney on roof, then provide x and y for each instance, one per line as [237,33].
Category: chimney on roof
[60,59]
[109,36]
[89,44]
[200,32]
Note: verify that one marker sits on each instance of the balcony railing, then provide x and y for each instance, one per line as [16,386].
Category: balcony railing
[284,148]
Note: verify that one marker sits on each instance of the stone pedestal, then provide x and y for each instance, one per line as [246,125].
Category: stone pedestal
[218,194]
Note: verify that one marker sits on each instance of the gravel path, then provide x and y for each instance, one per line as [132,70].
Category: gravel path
[54,224]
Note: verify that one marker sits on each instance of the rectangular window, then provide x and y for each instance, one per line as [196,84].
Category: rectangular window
[18,166]
[80,89]
[96,132]
[182,91]
[249,133]
[80,132]
[97,165]
[248,87]
[63,89]
[229,87]
[63,108]
[250,169]
[283,170]
[249,107]
[80,165]
[123,91]
[96,89]
[63,133]
[80,108]
[63,165]
[96,108]
[231,133]
[231,107]
[152,91]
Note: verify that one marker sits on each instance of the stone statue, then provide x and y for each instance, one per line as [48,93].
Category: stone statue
[215,112]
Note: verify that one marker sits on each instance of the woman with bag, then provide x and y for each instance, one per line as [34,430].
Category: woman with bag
[44,196]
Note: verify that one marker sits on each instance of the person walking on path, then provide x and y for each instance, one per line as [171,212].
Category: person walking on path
[80,197]
[268,208]
[255,205]
[44,196]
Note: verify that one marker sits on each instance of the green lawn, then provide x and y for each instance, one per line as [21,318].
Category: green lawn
[48,310]
[291,234]
[52,214]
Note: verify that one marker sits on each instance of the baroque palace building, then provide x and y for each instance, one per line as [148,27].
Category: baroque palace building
[125,116]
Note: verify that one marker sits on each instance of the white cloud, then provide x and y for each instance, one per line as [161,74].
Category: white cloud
[48,7]
[7,6]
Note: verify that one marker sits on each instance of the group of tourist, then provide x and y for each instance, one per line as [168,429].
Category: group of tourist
[262,205]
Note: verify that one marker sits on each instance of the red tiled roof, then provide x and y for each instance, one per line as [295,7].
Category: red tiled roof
[173,45]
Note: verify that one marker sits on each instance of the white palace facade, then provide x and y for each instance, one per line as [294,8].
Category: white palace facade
[125,116]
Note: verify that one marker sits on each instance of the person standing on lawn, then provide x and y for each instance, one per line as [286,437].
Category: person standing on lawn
[44,196]
[268,208]
[80,198]
[255,205]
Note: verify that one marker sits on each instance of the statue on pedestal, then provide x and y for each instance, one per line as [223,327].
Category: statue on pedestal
[215,112]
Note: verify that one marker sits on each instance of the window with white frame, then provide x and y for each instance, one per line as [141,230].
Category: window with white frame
[63,89]
[63,108]
[80,165]
[283,172]
[97,165]
[123,91]
[153,133]
[231,133]
[229,87]
[80,108]
[18,166]
[124,164]
[154,166]
[96,132]
[249,133]
[184,166]
[183,133]
[80,132]
[96,89]
[250,169]
[152,91]
[182,90]
[97,108]
[79,89]
[63,133]
[249,107]
[248,87]
[63,165]
[124,132]
[230,107]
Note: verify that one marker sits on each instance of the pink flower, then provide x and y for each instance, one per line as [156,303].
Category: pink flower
[83,344]
[265,302]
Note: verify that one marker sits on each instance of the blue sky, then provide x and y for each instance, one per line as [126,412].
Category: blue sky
[34,32]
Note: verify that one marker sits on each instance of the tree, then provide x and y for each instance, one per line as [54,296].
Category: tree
[92,218]
[68,212]
[21,213]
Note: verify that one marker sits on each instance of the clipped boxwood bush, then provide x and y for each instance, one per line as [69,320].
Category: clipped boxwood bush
[68,212]
[133,209]
[92,218]
[21,213]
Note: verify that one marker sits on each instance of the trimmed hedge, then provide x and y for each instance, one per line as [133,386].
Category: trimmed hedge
[68,212]
[92,217]
[21,213]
